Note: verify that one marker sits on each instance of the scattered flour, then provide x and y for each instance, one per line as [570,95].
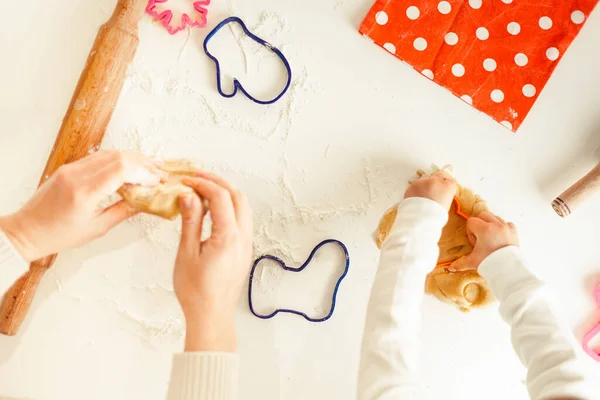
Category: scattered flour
[275,224]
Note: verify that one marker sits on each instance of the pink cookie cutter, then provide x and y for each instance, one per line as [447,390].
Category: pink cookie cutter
[165,16]
[594,332]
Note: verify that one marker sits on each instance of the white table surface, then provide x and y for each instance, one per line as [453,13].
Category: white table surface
[353,129]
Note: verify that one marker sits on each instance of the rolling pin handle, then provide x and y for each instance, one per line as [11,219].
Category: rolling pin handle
[582,190]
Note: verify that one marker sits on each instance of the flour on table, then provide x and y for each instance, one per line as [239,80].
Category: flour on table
[138,79]
[158,231]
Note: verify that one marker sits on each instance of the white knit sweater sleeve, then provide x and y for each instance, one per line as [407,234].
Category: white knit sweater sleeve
[204,376]
[556,364]
[12,264]
[390,356]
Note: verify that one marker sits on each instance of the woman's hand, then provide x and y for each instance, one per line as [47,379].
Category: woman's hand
[209,275]
[487,233]
[64,213]
[439,187]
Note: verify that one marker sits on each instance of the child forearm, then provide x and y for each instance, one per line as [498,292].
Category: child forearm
[557,368]
[391,344]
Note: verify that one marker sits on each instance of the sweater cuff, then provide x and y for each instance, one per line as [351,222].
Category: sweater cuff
[204,376]
[12,264]
[419,208]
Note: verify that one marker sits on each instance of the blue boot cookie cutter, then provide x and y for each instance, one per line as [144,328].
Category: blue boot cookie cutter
[300,269]
[236,84]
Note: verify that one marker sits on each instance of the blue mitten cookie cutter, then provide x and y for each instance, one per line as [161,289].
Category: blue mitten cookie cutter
[300,269]
[236,84]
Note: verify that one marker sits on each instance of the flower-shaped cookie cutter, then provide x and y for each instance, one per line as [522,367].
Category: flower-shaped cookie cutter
[300,269]
[236,84]
[165,16]
[595,354]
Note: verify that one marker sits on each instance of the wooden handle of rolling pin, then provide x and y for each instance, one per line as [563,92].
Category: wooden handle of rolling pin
[571,198]
[82,130]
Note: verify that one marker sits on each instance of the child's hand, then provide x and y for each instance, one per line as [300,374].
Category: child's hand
[209,276]
[439,187]
[487,233]
[65,211]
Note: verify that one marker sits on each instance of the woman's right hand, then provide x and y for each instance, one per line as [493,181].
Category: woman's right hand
[210,275]
[487,233]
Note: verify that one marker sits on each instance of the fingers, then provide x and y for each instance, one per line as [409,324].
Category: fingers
[192,216]
[475,226]
[487,217]
[462,264]
[114,215]
[240,202]
[113,169]
[220,203]
[499,218]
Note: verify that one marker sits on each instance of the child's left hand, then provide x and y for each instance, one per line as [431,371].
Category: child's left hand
[439,187]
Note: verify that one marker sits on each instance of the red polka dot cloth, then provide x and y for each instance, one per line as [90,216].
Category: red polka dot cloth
[496,55]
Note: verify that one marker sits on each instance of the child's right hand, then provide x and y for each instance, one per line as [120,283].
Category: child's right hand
[488,233]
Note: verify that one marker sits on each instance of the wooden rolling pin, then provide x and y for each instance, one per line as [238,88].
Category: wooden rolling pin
[571,198]
[82,130]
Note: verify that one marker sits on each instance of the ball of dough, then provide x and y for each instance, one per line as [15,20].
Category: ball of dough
[463,289]
[163,199]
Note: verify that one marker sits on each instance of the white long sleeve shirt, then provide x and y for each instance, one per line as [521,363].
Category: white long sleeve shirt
[389,366]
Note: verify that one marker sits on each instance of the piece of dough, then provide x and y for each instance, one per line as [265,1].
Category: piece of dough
[463,289]
[162,199]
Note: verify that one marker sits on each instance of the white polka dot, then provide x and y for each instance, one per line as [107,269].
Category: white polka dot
[420,44]
[521,59]
[529,90]
[507,1]
[489,64]
[497,96]
[507,124]
[390,47]
[545,23]
[552,53]
[381,17]
[444,7]
[451,38]
[482,33]
[413,12]
[458,70]
[466,99]
[476,4]
[513,28]
[428,73]
[577,17]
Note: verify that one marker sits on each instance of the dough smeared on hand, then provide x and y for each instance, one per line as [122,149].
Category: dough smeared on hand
[465,288]
[162,199]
